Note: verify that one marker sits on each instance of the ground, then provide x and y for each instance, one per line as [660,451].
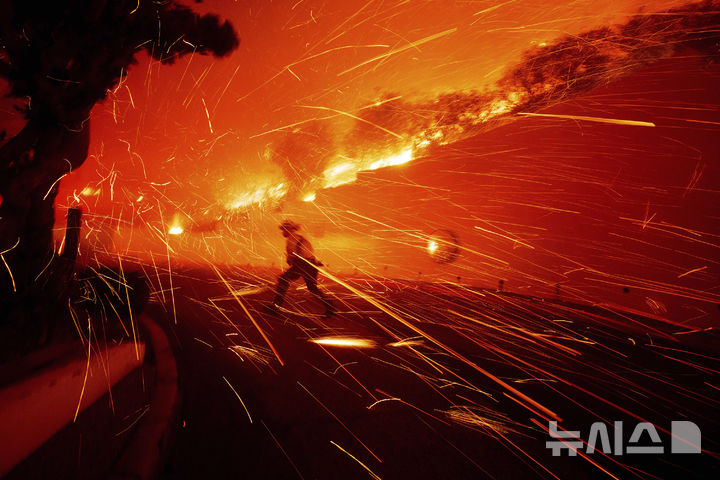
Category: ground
[452,383]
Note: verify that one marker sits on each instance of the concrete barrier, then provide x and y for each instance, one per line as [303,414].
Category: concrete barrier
[33,409]
[148,449]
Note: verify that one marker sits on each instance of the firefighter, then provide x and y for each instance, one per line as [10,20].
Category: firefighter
[302,263]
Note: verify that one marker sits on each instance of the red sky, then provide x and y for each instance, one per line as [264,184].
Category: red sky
[537,202]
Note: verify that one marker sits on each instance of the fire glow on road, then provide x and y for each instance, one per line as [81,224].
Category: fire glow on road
[345,342]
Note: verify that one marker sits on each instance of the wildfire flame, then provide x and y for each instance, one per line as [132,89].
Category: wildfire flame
[346,171]
[342,172]
[258,196]
[175,227]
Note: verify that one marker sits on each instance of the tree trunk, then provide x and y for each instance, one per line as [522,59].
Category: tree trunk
[33,163]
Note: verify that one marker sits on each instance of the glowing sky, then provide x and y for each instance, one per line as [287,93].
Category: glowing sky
[535,201]
[199,120]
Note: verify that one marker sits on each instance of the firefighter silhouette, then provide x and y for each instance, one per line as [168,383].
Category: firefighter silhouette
[303,264]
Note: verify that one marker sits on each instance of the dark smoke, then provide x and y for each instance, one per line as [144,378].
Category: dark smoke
[303,154]
[546,75]
[576,64]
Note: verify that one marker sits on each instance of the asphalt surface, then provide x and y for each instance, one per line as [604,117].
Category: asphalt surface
[454,383]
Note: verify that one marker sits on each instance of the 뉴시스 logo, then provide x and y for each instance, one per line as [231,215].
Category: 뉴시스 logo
[685,437]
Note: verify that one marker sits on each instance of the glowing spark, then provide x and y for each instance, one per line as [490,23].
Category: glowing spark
[505,236]
[424,238]
[494,7]
[129,304]
[380,102]
[493,420]
[432,246]
[692,271]
[251,290]
[252,319]
[87,370]
[11,248]
[407,343]
[176,230]
[249,353]
[400,50]
[291,125]
[208,115]
[614,121]
[203,342]
[132,102]
[283,450]
[384,308]
[358,461]
[354,117]
[293,73]
[345,342]
[339,421]
[12,278]
[53,185]
[238,396]
[310,197]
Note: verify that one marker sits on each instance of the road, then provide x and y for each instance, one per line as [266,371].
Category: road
[432,381]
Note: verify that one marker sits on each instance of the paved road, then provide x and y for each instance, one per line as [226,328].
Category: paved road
[452,383]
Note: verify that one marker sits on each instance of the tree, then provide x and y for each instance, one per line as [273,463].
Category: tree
[63,58]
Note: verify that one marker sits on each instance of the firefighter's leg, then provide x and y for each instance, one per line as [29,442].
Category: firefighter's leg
[310,276]
[283,283]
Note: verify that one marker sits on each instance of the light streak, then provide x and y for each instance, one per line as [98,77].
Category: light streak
[282,450]
[409,342]
[400,50]
[252,319]
[614,121]
[424,237]
[372,474]
[238,397]
[700,269]
[207,113]
[129,306]
[87,369]
[339,421]
[451,351]
[203,342]
[345,342]
[2,257]
[354,117]
[54,184]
